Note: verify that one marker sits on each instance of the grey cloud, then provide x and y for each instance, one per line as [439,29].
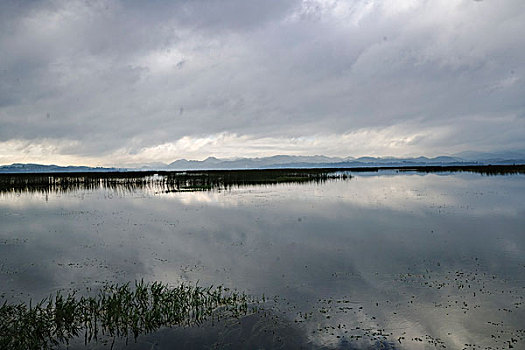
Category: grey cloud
[115,74]
[215,15]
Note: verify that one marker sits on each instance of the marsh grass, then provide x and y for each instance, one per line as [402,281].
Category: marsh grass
[206,180]
[161,181]
[116,311]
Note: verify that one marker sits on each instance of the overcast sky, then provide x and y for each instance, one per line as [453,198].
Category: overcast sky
[123,82]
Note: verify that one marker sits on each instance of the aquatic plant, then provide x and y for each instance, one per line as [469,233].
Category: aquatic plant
[205,180]
[160,181]
[115,311]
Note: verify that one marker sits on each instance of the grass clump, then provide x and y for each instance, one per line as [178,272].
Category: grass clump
[115,311]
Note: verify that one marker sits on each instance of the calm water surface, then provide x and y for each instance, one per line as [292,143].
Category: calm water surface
[409,261]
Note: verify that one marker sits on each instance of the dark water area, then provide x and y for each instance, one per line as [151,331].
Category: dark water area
[386,259]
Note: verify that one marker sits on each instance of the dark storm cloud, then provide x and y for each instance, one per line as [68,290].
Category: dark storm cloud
[112,78]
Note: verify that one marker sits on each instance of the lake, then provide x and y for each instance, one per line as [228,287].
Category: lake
[374,260]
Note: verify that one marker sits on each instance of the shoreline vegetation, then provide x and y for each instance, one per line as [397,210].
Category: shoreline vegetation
[198,180]
[159,181]
[116,311]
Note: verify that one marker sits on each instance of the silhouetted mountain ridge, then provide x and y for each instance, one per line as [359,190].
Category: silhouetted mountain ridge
[41,168]
[286,161]
[289,161]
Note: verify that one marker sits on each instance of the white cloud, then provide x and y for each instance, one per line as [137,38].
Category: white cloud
[43,152]
[401,140]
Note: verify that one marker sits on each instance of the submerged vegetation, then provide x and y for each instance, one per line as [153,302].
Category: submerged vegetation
[116,311]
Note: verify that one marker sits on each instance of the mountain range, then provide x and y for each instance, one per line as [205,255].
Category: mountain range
[288,161]
[41,168]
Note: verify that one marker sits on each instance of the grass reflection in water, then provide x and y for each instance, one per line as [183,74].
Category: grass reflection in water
[115,311]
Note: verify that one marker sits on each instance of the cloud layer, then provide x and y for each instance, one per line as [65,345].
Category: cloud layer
[116,82]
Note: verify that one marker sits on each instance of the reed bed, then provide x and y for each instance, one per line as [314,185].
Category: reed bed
[116,311]
[162,181]
[205,180]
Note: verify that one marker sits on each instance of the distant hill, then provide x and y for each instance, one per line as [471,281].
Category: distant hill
[39,168]
[287,161]
[279,161]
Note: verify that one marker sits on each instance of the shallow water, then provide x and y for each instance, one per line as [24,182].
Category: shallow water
[386,260]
